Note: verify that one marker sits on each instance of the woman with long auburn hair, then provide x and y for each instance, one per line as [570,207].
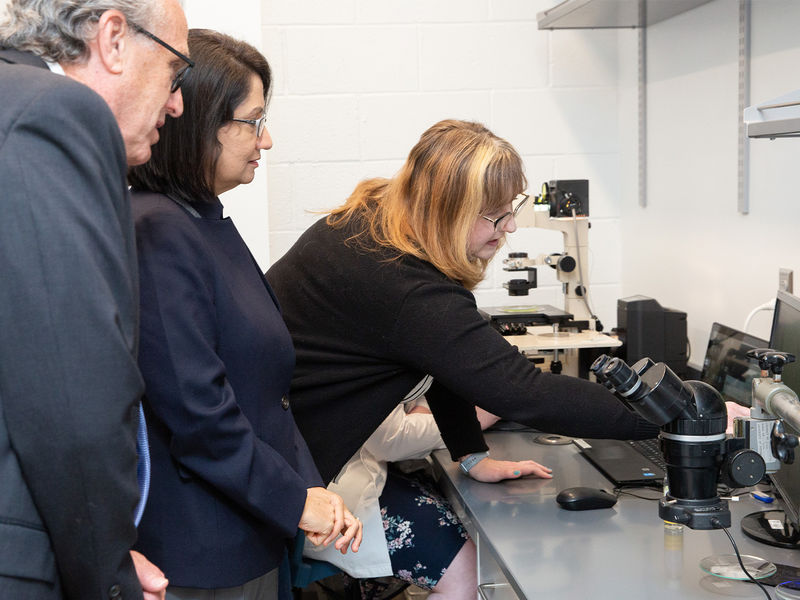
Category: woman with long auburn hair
[377,299]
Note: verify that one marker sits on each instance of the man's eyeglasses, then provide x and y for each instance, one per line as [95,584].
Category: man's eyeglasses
[180,75]
[258,123]
[517,203]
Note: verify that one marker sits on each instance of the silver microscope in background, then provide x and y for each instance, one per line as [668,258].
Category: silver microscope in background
[562,206]
[772,404]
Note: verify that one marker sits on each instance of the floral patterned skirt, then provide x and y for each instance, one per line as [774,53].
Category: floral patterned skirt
[423,533]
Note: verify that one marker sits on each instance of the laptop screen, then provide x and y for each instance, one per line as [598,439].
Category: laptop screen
[726,366]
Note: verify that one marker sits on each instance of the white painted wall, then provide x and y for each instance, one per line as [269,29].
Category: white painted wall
[690,248]
[360,80]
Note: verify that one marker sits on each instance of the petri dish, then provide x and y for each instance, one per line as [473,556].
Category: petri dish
[527,308]
[727,566]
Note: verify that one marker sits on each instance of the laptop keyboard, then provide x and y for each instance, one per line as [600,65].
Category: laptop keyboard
[650,449]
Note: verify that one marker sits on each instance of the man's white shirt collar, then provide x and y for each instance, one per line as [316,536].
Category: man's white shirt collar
[55,67]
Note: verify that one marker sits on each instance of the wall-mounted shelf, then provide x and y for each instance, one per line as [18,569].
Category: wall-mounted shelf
[776,118]
[610,14]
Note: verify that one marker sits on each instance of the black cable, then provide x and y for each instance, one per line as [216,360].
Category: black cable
[732,492]
[726,490]
[619,491]
[717,524]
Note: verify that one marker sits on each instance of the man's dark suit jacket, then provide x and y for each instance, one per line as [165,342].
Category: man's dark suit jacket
[69,384]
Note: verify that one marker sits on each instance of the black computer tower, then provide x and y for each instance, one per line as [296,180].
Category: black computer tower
[649,330]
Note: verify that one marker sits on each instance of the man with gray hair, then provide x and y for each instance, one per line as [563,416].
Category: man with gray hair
[69,382]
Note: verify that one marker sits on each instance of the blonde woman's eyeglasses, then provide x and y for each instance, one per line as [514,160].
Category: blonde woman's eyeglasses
[517,203]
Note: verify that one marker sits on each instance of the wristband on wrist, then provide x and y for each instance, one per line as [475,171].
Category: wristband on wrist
[471,460]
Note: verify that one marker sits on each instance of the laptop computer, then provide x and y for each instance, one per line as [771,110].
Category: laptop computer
[726,367]
[626,463]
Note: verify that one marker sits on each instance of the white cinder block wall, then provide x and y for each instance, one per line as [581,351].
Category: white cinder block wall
[357,82]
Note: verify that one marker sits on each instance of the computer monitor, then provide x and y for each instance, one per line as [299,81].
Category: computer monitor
[782,528]
[726,366]
[785,335]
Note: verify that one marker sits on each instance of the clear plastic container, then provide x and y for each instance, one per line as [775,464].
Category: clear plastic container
[788,590]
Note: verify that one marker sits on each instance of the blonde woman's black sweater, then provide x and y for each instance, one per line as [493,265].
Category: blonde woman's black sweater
[368,325]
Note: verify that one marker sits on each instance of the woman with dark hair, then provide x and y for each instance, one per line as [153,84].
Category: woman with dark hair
[377,299]
[232,479]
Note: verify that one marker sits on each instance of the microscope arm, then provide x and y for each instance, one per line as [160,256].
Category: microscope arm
[770,394]
[782,403]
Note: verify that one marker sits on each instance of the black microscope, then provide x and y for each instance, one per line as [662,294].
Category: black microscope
[693,418]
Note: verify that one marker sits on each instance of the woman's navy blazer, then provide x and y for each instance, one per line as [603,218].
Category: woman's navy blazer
[229,468]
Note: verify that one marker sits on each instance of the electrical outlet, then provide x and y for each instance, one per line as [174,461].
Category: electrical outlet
[786,280]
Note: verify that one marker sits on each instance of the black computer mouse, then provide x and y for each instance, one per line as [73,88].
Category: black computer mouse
[585,498]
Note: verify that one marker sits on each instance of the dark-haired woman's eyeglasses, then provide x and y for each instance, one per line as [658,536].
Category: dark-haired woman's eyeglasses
[517,203]
[180,75]
[258,123]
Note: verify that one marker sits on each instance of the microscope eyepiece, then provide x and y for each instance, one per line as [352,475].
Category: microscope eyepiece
[641,366]
[597,367]
[624,379]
